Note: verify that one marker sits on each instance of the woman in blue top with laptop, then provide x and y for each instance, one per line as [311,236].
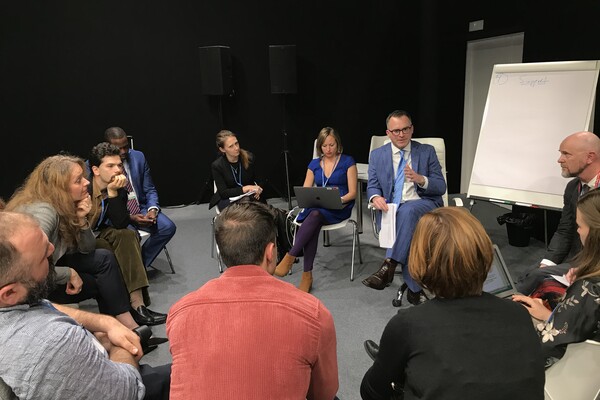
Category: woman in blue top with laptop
[331,169]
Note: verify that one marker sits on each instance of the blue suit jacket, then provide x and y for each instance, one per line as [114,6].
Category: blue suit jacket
[424,162]
[142,181]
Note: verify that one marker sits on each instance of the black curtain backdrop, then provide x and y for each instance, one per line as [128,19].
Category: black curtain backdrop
[70,69]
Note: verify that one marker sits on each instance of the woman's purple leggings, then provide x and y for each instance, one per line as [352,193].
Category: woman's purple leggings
[307,238]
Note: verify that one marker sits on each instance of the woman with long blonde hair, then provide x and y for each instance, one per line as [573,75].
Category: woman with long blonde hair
[234,176]
[56,195]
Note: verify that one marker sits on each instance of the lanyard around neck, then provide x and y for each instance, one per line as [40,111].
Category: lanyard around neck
[237,179]
[332,171]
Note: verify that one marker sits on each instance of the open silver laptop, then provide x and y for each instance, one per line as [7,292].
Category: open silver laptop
[499,281]
[318,197]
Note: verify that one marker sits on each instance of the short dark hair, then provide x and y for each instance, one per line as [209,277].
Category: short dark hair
[114,132]
[242,232]
[100,151]
[397,114]
[450,253]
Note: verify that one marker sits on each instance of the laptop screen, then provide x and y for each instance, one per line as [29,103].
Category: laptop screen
[498,280]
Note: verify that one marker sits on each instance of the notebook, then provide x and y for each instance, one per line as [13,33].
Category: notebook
[318,197]
[499,281]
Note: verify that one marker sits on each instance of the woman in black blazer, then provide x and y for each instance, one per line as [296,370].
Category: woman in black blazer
[233,173]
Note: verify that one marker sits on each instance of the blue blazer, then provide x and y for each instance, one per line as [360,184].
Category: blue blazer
[141,180]
[424,161]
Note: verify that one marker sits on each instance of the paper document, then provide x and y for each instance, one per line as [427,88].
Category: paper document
[236,198]
[387,234]
[561,279]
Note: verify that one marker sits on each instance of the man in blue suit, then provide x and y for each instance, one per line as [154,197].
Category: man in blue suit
[143,198]
[409,174]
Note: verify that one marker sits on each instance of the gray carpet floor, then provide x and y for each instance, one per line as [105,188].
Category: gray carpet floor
[359,313]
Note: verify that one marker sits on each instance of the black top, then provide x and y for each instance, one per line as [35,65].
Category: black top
[227,176]
[480,347]
[565,242]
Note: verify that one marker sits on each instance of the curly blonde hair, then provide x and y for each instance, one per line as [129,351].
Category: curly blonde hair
[50,182]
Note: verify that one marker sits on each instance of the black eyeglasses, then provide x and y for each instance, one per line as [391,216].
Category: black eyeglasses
[404,130]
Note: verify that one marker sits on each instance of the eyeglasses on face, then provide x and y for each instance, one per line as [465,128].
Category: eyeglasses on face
[404,130]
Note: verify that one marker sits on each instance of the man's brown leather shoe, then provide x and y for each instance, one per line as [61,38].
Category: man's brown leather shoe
[382,278]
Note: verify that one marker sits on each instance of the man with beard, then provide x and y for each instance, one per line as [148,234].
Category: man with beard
[45,351]
[142,203]
[247,335]
[109,219]
[580,159]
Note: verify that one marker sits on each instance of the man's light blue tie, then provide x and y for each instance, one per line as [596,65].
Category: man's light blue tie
[399,181]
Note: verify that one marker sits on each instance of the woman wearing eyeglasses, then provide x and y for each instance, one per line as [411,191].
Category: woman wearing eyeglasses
[332,169]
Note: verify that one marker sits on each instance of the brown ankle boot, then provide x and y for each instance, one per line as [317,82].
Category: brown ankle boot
[382,278]
[306,282]
[283,268]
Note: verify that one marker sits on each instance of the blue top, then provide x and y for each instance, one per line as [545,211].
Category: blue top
[339,179]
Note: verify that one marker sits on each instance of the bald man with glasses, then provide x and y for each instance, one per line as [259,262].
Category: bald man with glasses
[409,174]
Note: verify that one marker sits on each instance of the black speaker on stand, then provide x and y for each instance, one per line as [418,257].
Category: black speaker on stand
[216,80]
[282,67]
[216,74]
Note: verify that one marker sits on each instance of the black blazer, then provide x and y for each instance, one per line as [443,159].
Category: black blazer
[565,243]
[225,182]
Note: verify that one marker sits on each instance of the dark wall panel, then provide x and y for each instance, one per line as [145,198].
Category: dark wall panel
[70,69]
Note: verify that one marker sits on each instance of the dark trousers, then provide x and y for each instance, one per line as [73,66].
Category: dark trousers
[101,280]
[157,381]
[527,283]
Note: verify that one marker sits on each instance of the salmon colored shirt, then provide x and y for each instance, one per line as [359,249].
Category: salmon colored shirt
[248,335]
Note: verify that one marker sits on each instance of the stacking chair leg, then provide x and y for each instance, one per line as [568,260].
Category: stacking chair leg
[326,242]
[212,248]
[215,247]
[169,259]
[219,259]
[355,242]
